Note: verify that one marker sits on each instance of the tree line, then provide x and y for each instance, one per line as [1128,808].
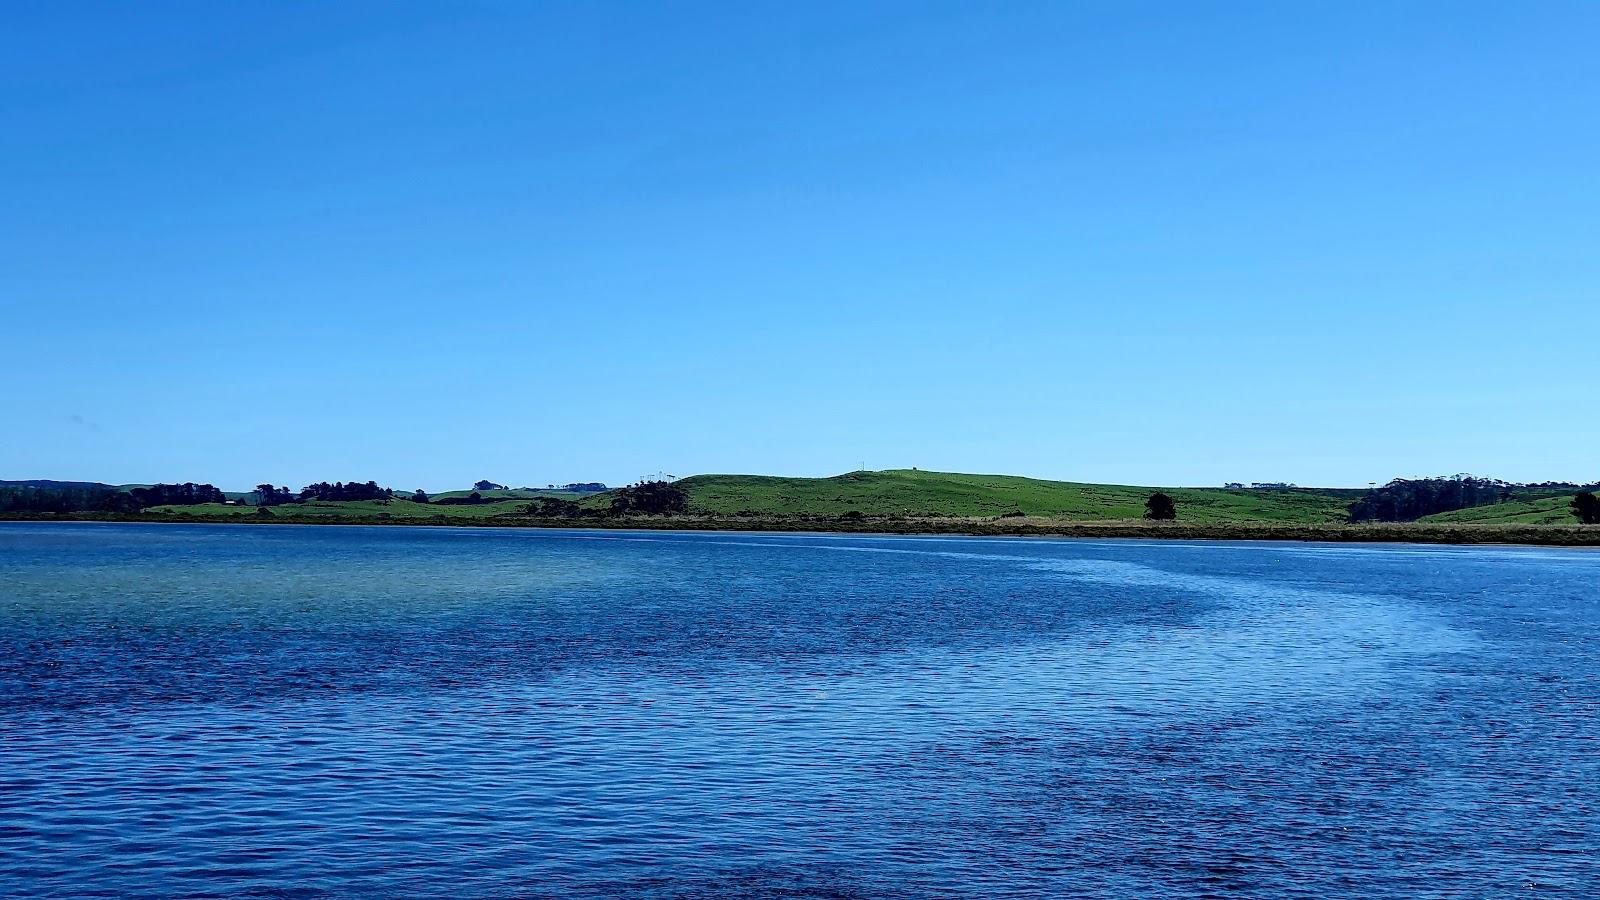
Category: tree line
[106,499]
[1409,499]
[647,498]
[267,495]
[62,500]
[186,494]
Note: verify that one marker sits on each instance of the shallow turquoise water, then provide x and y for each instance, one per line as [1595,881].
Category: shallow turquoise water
[326,711]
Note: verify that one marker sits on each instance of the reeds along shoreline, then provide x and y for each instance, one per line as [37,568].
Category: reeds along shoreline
[1411,532]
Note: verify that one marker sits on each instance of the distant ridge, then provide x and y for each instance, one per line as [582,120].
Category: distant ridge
[913,492]
[48,484]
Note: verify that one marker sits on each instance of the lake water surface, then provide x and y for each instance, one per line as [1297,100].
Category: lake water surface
[309,711]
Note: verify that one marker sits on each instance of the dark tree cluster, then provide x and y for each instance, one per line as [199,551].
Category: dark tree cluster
[488,486]
[472,499]
[649,498]
[342,491]
[1409,499]
[552,508]
[1586,506]
[267,495]
[186,494]
[1160,508]
[64,500]
[105,498]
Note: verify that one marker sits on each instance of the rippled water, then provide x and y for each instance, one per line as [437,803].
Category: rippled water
[316,711]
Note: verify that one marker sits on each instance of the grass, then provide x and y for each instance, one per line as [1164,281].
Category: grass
[1541,511]
[210,510]
[910,492]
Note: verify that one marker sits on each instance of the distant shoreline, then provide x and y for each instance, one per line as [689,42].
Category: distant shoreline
[1404,533]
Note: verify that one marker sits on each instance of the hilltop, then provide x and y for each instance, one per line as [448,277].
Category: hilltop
[52,485]
[912,492]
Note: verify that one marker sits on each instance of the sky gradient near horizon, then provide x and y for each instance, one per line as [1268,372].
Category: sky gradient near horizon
[1146,243]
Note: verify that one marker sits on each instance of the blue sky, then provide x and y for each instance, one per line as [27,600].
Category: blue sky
[1146,243]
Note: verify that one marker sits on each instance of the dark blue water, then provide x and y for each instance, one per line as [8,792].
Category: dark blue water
[312,711]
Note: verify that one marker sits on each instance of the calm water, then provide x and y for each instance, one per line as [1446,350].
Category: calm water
[312,711]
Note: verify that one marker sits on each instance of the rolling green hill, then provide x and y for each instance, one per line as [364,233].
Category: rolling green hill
[1553,510]
[916,493]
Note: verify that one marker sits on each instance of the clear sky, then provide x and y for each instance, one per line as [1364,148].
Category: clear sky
[1179,243]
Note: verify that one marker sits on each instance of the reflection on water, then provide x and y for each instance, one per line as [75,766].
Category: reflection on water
[324,711]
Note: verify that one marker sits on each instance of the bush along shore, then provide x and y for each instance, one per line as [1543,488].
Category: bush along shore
[1001,526]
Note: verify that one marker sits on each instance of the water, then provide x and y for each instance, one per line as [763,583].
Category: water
[315,711]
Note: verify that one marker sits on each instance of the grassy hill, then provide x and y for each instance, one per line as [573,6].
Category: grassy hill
[916,493]
[1554,510]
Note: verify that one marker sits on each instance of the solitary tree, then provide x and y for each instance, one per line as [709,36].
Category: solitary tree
[1586,506]
[421,496]
[1160,507]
